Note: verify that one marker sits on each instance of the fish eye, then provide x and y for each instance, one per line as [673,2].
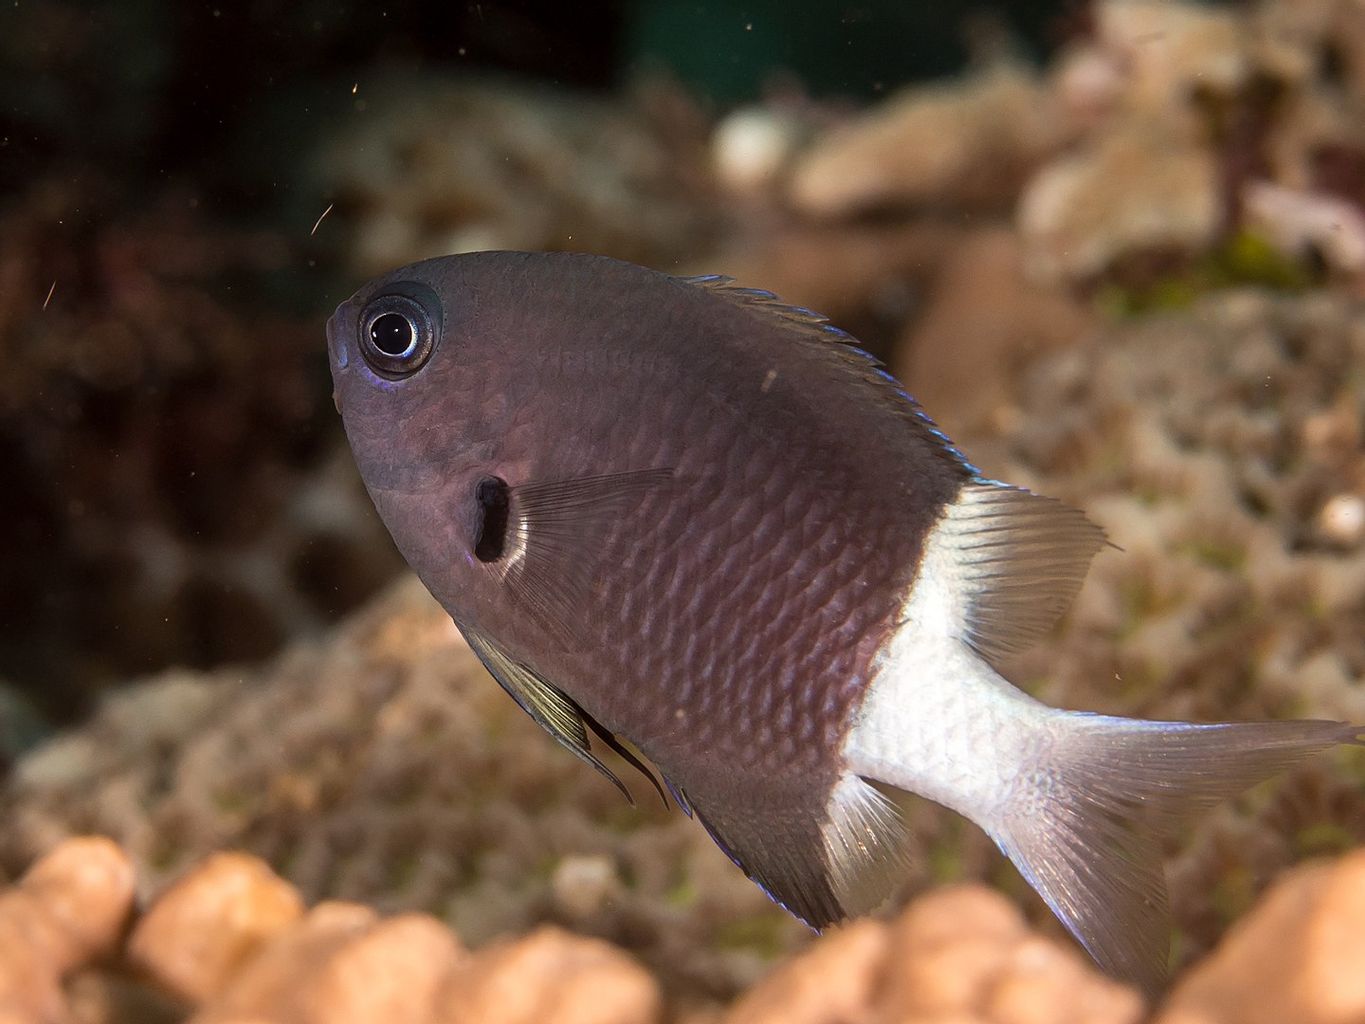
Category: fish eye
[397,335]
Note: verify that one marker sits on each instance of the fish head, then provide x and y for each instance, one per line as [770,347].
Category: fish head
[465,380]
[418,380]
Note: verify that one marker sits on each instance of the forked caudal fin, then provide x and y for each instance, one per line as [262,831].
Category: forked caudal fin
[1086,827]
[1079,802]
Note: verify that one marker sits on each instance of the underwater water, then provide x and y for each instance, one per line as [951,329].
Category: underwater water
[1115,248]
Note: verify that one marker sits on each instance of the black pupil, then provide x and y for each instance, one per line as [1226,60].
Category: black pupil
[392,334]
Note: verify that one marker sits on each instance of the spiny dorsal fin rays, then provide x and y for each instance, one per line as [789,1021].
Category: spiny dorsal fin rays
[724,284]
[811,326]
[553,710]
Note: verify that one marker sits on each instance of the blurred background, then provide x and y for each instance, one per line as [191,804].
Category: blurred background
[176,495]
[1116,248]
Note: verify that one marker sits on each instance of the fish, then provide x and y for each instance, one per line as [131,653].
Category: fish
[685,521]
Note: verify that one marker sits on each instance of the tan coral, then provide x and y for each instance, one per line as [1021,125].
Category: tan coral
[552,977]
[381,764]
[69,909]
[947,945]
[1299,956]
[965,954]
[426,174]
[960,954]
[836,980]
[339,964]
[751,147]
[983,311]
[197,564]
[385,766]
[1169,48]
[1342,519]
[1133,190]
[201,929]
[841,271]
[582,887]
[1299,222]
[968,143]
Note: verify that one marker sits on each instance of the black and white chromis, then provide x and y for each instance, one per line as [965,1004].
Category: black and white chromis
[708,529]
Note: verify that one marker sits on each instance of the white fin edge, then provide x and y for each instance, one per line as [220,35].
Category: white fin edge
[865,845]
[1019,559]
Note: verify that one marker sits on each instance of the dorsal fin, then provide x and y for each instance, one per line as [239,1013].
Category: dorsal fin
[811,327]
[553,710]
[765,300]
[1020,557]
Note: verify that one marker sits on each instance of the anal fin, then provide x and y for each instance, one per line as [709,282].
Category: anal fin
[823,864]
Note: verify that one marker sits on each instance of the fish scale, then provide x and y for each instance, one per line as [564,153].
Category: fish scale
[733,540]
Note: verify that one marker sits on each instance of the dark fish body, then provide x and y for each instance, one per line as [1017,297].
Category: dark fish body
[681,513]
[748,597]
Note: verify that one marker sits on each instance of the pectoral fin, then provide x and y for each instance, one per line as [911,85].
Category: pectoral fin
[545,541]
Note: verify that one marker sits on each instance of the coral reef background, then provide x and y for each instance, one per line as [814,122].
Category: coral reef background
[1119,255]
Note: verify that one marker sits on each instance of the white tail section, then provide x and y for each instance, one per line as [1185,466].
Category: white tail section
[1079,802]
[1085,828]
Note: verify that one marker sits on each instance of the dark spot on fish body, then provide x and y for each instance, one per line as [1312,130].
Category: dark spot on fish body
[492,496]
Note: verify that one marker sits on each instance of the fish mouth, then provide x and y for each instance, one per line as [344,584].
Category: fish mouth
[334,350]
[336,354]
